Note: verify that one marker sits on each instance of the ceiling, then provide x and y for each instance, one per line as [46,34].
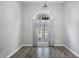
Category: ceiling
[42,2]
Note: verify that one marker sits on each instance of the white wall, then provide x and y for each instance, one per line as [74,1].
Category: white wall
[15,30]
[72,25]
[29,11]
[10,27]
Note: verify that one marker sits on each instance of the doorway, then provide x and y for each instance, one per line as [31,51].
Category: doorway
[43,33]
[42,28]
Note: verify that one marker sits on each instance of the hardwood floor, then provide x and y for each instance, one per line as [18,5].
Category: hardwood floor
[43,52]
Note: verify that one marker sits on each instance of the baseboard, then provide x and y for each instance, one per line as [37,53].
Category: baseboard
[14,52]
[72,51]
[27,45]
[32,45]
[58,45]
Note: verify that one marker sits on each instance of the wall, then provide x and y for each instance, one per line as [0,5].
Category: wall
[72,26]
[10,27]
[29,11]
[15,30]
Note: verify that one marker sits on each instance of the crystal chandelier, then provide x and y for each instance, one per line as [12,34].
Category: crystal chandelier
[44,13]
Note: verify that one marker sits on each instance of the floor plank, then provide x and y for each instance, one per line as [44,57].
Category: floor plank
[43,52]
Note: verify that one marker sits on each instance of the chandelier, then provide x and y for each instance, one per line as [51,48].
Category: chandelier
[44,13]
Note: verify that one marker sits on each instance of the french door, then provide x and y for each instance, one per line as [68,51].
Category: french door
[42,33]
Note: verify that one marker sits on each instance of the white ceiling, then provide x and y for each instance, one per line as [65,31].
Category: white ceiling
[42,2]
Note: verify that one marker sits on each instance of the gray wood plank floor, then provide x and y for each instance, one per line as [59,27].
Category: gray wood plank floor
[43,52]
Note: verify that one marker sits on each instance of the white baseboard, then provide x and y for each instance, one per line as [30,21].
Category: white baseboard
[27,45]
[58,45]
[14,52]
[72,51]
[46,45]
